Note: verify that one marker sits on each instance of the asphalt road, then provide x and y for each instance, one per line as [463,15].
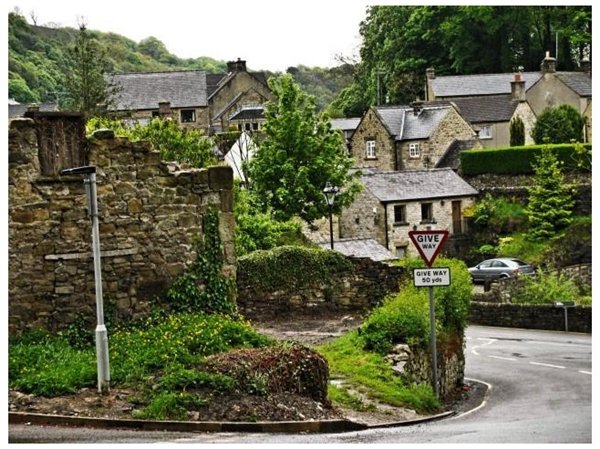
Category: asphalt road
[540,392]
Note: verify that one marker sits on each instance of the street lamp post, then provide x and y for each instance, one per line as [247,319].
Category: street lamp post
[101,333]
[330,192]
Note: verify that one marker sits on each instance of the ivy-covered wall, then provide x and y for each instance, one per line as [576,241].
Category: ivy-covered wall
[151,215]
[310,281]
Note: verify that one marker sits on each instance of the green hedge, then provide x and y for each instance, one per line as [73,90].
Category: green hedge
[519,160]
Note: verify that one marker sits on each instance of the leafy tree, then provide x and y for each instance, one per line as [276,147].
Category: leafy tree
[517,132]
[88,90]
[300,153]
[558,125]
[550,201]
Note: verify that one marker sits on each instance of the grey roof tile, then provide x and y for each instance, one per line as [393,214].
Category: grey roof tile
[580,82]
[451,157]
[141,91]
[402,122]
[249,113]
[486,84]
[488,108]
[345,124]
[363,248]
[18,110]
[416,185]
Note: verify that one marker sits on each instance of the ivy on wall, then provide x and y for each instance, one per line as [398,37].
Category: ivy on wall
[292,268]
[203,287]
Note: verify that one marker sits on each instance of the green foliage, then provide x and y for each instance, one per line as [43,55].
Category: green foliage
[322,83]
[498,215]
[517,132]
[365,370]
[299,155]
[550,200]
[181,378]
[295,267]
[574,246]
[170,405]
[545,288]
[520,245]
[87,89]
[562,124]
[256,230]
[204,287]
[521,160]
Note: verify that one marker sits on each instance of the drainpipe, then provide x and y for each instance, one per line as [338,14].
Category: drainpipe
[386,225]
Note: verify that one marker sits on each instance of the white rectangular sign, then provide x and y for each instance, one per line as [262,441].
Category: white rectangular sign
[431,277]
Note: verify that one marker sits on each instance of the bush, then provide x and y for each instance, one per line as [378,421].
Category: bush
[545,289]
[520,160]
[558,125]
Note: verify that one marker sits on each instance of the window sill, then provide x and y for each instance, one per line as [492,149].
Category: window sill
[428,222]
[401,223]
[371,158]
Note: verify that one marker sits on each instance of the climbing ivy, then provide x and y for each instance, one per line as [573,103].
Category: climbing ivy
[203,287]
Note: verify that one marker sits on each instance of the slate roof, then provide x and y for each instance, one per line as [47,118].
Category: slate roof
[249,113]
[360,247]
[489,108]
[19,110]
[451,157]
[416,185]
[403,124]
[486,84]
[345,124]
[141,91]
[580,82]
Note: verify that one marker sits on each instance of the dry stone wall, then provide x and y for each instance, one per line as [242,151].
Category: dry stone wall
[150,219]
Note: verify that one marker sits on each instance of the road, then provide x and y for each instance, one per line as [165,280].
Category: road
[540,391]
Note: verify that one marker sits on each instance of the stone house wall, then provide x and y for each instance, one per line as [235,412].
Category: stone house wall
[364,218]
[371,128]
[200,123]
[150,218]
[359,290]
[550,92]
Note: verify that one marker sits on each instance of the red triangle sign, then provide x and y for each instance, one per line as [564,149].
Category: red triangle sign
[429,243]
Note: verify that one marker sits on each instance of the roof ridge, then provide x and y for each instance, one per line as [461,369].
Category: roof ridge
[162,72]
[484,74]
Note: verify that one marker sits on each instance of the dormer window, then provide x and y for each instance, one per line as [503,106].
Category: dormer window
[414,150]
[370,150]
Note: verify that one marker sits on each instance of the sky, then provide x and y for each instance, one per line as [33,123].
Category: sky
[269,34]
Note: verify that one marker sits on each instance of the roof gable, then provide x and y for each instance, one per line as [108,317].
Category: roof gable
[416,185]
[404,124]
[579,82]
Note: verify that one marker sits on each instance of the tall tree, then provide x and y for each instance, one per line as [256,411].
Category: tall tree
[300,153]
[517,132]
[550,201]
[88,90]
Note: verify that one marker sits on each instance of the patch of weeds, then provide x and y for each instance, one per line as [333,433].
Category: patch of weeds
[168,405]
[342,396]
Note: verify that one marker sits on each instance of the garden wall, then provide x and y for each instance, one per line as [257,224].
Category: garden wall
[359,285]
[150,218]
[530,316]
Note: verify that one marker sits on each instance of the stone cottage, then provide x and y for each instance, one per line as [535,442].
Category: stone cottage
[544,88]
[394,138]
[394,203]
[196,99]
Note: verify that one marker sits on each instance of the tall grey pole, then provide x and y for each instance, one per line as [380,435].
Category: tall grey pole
[433,343]
[101,334]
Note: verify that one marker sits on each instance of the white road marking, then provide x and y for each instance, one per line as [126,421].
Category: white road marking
[489,342]
[502,358]
[586,372]
[547,364]
[483,403]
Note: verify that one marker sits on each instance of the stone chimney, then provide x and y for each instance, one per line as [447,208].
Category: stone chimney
[430,73]
[236,66]
[417,106]
[548,65]
[164,109]
[517,87]
[586,66]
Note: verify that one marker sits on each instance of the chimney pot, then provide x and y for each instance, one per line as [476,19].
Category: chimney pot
[430,73]
[548,65]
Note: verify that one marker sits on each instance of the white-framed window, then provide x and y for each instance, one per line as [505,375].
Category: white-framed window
[188,115]
[485,132]
[414,150]
[370,149]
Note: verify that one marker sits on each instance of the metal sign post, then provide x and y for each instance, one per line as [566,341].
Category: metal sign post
[101,333]
[429,244]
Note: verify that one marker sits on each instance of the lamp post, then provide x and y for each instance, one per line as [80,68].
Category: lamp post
[101,334]
[330,192]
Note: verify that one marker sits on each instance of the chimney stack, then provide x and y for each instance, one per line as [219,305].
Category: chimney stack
[417,106]
[517,88]
[430,73]
[548,65]
[236,66]
[164,109]
[586,66]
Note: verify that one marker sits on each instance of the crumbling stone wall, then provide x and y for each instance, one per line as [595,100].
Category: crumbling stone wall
[150,218]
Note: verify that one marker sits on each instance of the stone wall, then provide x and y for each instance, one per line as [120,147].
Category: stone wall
[359,290]
[150,218]
[530,316]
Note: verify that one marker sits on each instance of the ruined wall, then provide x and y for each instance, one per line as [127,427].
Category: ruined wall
[150,218]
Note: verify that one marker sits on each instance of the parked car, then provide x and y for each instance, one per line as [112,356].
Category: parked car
[503,267]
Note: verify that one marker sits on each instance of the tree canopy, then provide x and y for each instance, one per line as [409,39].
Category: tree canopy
[299,154]
[558,125]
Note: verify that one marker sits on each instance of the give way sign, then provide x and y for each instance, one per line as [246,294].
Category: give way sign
[429,243]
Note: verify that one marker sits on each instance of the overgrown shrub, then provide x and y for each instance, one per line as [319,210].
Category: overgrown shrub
[561,124]
[520,160]
[545,288]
